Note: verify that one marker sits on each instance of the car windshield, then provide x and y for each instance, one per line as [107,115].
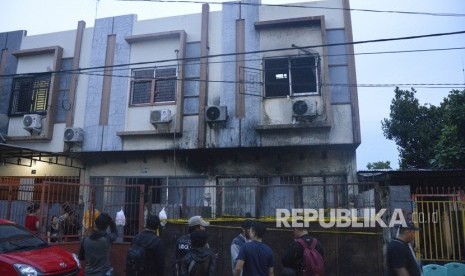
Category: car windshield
[14,238]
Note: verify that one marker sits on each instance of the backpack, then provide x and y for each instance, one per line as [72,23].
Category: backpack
[199,268]
[312,261]
[136,259]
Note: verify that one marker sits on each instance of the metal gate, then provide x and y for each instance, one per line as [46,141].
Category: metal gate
[83,200]
[440,213]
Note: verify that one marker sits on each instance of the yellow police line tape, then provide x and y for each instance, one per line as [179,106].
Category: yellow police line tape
[273,219]
[290,229]
[269,219]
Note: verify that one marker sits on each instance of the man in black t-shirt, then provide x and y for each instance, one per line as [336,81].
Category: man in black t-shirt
[400,256]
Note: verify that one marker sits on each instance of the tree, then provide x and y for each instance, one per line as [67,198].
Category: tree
[414,128]
[427,136]
[380,165]
[450,148]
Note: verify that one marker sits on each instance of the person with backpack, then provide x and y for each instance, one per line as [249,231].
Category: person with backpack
[183,243]
[305,255]
[200,260]
[95,248]
[255,257]
[146,256]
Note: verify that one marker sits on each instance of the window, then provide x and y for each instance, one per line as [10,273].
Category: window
[291,76]
[30,95]
[153,86]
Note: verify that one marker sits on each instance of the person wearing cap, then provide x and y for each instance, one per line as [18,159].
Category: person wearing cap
[183,244]
[255,258]
[95,248]
[153,248]
[400,258]
[239,241]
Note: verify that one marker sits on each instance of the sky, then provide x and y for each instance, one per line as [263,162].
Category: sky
[377,74]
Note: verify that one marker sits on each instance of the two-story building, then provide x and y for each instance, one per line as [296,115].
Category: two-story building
[250,95]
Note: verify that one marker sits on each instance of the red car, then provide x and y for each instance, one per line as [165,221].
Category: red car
[23,253]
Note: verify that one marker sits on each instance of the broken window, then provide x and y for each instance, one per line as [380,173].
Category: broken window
[290,76]
[153,85]
[30,95]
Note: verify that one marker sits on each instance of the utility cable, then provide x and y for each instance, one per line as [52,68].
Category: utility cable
[261,59]
[253,52]
[303,6]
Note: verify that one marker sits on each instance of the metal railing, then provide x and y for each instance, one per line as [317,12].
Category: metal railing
[228,198]
[440,214]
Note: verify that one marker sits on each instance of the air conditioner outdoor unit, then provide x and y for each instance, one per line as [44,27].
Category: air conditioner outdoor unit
[73,134]
[160,116]
[216,113]
[32,122]
[304,108]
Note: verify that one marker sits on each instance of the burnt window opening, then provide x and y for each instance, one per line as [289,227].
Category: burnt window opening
[30,95]
[153,85]
[291,76]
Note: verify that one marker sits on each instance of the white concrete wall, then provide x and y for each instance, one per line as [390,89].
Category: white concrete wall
[279,110]
[64,39]
[41,169]
[35,64]
[214,67]
[333,17]
[189,23]
[83,82]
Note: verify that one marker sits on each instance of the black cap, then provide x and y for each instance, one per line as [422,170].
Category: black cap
[33,206]
[246,224]
[408,226]
[103,221]
[153,221]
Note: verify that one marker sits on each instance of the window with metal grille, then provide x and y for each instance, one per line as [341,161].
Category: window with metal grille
[30,95]
[153,85]
[291,76]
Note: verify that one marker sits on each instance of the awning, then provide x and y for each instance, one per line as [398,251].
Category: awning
[21,156]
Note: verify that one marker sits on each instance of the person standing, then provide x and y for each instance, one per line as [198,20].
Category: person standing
[53,230]
[292,260]
[239,241]
[255,258]
[183,243]
[200,260]
[95,249]
[400,257]
[88,221]
[32,220]
[153,262]
[69,223]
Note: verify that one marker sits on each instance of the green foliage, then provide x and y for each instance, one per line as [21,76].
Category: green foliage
[414,128]
[380,165]
[450,148]
[427,136]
